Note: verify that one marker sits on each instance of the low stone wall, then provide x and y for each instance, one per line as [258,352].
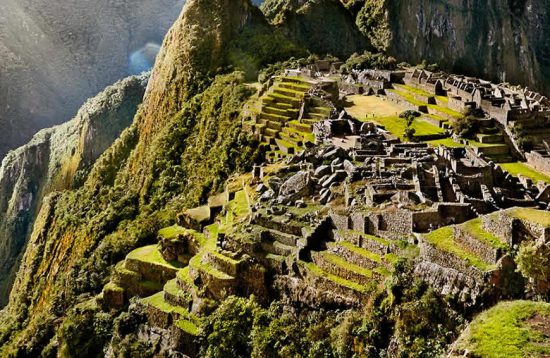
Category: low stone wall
[340,221]
[501,225]
[218,288]
[450,282]
[352,257]
[221,264]
[538,161]
[269,223]
[486,252]
[445,259]
[394,223]
[339,271]
[151,271]
[329,289]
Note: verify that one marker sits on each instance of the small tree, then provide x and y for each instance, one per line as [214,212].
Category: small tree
[409,130]
[534,263]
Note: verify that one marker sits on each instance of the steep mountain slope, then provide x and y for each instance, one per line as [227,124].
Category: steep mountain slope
[184,142]
[58,158]
[322,26]
[47,45]
[497,40]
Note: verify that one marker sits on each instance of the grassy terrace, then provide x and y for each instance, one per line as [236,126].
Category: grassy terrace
[396,126]
[448,142]
[474,228]
[410,98]
[237,209]
[510,329]
[338,261]
[539,217]
[317,271]
[172,232]
[362,252]
[367,107]
[187,322]
[443,239]
[151,254]
[525,170]
[196,263]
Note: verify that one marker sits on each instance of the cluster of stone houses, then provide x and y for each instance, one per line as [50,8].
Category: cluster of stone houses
[501,102]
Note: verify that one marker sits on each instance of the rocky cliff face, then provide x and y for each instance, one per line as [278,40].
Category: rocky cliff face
[504,41]
[321,26]
[54,56]
[56,159]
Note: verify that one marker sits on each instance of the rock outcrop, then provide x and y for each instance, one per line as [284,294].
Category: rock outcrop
[56,159]
[54,56]
[500,41]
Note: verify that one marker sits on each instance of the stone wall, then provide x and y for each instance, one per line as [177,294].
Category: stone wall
[501,225]
[538,161]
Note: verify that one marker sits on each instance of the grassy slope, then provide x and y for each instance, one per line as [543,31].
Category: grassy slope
[504,331]
[525,170]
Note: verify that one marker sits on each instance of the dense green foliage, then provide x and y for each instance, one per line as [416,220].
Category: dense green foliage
[413,317]
[534,263]
[372,21]
[369,60]
[106,219]
[321,26]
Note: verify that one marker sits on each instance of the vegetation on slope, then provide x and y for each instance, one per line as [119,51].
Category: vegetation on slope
[321,26]
[510,329]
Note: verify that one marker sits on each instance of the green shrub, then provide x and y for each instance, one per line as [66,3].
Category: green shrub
[368,60]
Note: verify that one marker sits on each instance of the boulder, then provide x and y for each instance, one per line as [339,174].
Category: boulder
[337,177]
[322,171]
[297,186]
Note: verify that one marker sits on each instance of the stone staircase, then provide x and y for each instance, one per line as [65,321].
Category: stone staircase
[277,124]
[348,269]
[142,273]
[463,260]
[492,145]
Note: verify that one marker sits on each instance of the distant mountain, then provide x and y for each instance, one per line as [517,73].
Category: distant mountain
[54,56]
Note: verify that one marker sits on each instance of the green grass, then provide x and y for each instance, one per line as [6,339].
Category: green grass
[539,217]
[306,136]
[196,263]
[361,252]
[410,98]
[415,90]
[316,270]
[503,331]
[172,232]
[339,261]
[474,228]
[151,254]
[525,170]
[448,142]
[237,209]
[396,126]
[188,323]
[364,107]
[157,300]
[184,276]
[187,326]
[443,239]
[475,143]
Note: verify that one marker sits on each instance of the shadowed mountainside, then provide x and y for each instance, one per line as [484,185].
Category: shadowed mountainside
[56,159]
[54,56]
